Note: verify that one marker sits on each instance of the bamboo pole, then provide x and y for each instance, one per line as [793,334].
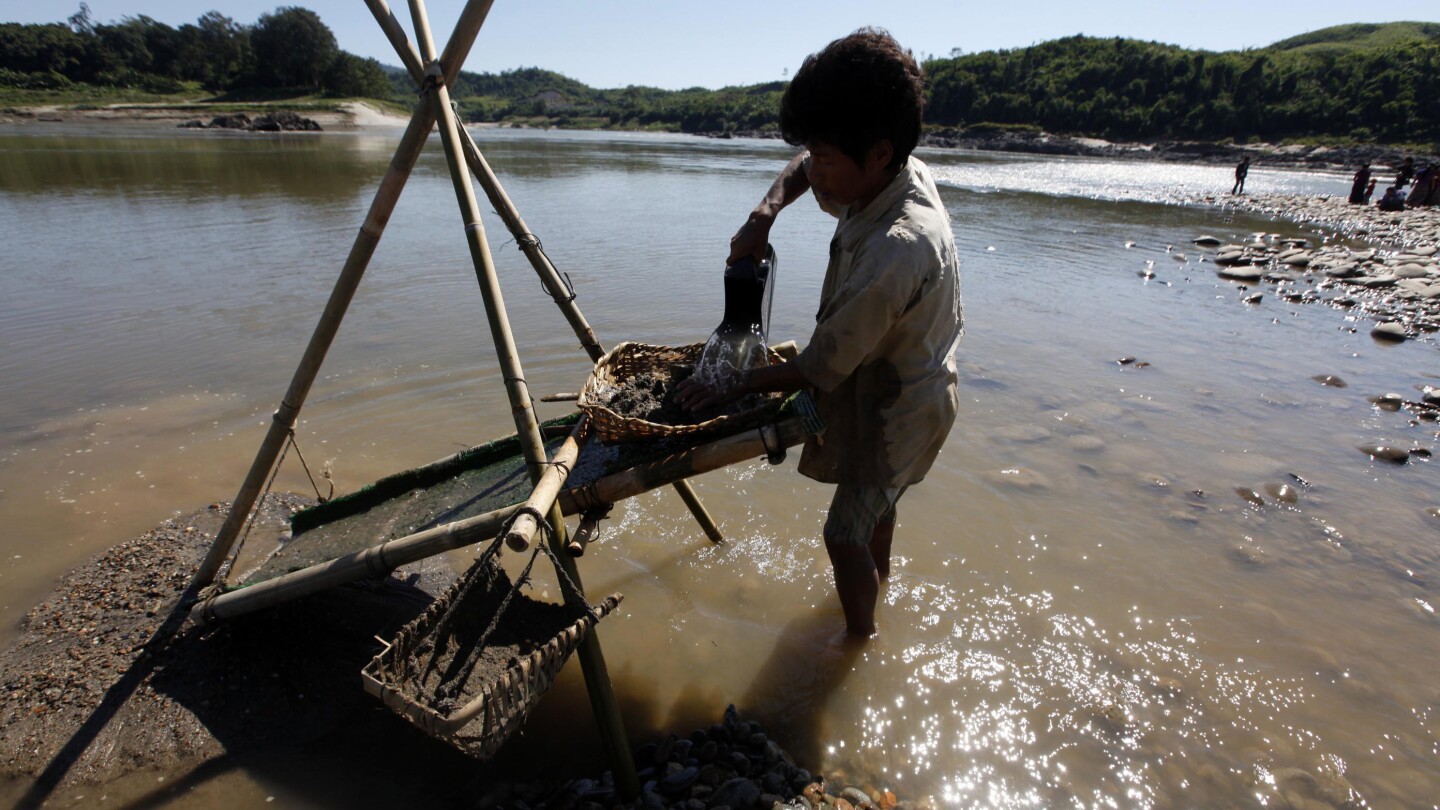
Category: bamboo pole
[587,530]
[395,32]
[383,558]
[730,450]
[376,561]
[422,121]
[559,290]
[283,421]
[603,704]
[592,661]
[542,498]
[549,277]
[527,427]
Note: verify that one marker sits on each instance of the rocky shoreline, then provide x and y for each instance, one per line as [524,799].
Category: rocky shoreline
[1394,281]
[1037,142]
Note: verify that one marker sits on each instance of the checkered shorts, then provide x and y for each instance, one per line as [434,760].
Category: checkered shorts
[856,509]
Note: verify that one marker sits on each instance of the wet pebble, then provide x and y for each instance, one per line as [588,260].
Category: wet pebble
[1385,452]
[1250,495]
[1330,381]
[1240,274]
[1388,402]
[1283,493]
[1392,331]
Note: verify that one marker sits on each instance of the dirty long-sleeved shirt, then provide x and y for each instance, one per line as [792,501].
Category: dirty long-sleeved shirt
[882,357]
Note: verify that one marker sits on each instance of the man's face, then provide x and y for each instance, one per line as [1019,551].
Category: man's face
[836,178]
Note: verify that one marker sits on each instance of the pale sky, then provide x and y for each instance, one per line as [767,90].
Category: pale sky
[674,44]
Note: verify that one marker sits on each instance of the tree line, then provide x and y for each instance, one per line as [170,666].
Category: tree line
[289,48]
[1360,82]
[1121,88]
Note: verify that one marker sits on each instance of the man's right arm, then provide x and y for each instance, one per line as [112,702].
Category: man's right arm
[752,237]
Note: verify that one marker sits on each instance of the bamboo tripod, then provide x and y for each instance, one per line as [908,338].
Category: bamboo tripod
[433,74]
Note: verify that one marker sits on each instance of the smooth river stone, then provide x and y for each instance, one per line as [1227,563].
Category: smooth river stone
[1298,260]
[1385,452]
[1431,396]
[1206,241]
[1240,274]
[1428,250]
[1250,495]
[1390,330]
[1434,513]
[1388,402]
[1330,381]
[1284,493]
[1411,271]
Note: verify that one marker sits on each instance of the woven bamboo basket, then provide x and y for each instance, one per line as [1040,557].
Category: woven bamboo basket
[630,359]
[493,708]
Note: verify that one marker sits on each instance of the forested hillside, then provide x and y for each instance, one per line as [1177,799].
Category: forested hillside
[1358,82]
[1327,83]
[287,49]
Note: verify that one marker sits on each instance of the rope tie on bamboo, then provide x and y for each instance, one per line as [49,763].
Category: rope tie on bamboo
[434,77]
[530,240]
[274,473]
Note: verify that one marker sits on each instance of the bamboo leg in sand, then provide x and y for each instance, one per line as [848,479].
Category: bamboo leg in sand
[592,661]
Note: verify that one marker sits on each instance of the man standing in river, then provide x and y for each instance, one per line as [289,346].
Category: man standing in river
[881,361]
[1241,172]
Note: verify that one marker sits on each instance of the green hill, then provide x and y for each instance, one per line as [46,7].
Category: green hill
[1361,36]
[1359,82]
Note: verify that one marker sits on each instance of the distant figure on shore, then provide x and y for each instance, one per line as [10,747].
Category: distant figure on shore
[1394,199]
[1426,189]
[1404,173]
[1241,171]
[1357,187]
[1369,191]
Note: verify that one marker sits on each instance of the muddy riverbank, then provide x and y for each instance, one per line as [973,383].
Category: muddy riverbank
[97,696]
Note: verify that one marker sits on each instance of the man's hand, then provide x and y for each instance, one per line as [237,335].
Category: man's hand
[751,239]
[695,396]
[753,236]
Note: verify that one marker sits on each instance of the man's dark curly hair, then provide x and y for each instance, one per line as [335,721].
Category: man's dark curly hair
[857,91]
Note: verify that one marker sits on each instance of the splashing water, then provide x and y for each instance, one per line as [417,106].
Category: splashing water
[728,354]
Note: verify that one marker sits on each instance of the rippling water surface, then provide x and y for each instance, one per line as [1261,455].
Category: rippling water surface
[1091,606]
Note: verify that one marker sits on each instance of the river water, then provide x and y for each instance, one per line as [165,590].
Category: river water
[1087,609]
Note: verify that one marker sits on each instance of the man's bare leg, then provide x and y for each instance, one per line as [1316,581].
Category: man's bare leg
[880,547]
[858,584]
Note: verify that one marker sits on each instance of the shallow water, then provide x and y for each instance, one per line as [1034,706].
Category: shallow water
[1085,611]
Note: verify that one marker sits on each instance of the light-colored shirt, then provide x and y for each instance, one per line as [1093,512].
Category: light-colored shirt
[882,357]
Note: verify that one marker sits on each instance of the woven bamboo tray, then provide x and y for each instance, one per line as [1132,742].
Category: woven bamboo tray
[630,359]
[492,709]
